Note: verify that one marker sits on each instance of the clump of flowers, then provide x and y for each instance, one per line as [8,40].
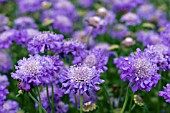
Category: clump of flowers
[3,24]
[139,69]
[10,107]
[36,70]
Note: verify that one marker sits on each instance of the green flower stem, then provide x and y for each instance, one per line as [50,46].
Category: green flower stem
[35,100]
[81,104]
[40,102]
[126,100]
[52,104]
[130,106]
[88,38]
[75,98]
[48,97]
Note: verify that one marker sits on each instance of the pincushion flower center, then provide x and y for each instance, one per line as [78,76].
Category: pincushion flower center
[81,74]
[143,68]
[32,66]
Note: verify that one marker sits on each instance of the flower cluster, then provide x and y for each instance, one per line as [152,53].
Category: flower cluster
[5,62]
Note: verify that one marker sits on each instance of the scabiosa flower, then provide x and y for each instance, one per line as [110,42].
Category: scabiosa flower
[124,5]
[6,38]
[5,62]
[139,70]
[130,19]
[85,4]
[80,78]
[165,35]
[3,91]
[29,5]
[165,93]
[65,7]
[3,23]
[145,11]
[149,38]
[10,107]
[45,41]
[159,52]
[74,47]
[63,24]
[36,70]
[119,31]
[60,107]
[24,36]
[24,22]
[97,58]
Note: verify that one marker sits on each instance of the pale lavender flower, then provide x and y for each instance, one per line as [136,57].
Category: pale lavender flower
[24,22]
[165,35]
[10,107]
[149,37]
[3,23]
[29,5]
[119,31]
[139,70]
[6,38]
[85,3]
[130,19]
[5,61]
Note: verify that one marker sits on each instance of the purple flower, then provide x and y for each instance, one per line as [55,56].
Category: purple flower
[45,41]
[97,58]
[65,7]
[36,70]
[159,52]
[24,36]
[29,5]
[3,91]
[74,47]
[10,107]
[63,24]
[3,23]
[85,4]
[5,62]
[165,35]
[166,93]
[80,78]
[60,107]
[124,5]
[145,11]
[139,69]
[130,19]
[149,38]
[24,23]
[6,38]
[119,31]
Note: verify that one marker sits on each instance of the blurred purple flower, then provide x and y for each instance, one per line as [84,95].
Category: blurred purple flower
[130,19]
[10,107]
[3,23]
[5,62]
[24,22]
